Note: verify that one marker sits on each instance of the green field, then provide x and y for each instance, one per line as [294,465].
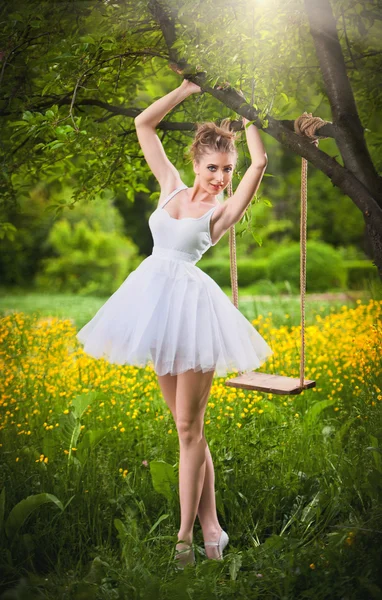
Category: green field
[89,502]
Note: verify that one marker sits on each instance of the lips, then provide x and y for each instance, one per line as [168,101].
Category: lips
[217,187]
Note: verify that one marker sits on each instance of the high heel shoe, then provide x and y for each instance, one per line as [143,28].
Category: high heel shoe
[221,544]
[184,557]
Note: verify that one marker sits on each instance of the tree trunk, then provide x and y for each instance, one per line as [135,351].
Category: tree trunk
[349,130]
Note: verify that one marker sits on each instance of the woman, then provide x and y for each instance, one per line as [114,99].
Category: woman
[172,314]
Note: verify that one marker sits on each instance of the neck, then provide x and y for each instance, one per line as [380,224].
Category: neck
[199,194]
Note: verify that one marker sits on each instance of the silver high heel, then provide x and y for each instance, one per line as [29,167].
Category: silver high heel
[221,544]
[184,557]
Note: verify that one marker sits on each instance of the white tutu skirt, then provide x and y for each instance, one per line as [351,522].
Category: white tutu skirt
[171,315]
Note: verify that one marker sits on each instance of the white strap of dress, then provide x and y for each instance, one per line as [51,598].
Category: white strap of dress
[178,189]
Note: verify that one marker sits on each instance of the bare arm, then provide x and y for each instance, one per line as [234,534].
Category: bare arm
[145,123]
[248,186]
[231,211]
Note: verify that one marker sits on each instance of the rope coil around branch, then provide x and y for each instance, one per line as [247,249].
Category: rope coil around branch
[305,125]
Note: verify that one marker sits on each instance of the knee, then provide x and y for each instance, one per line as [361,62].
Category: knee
[189,432]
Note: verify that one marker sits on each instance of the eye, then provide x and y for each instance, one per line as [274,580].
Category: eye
[211,167]
[228,169]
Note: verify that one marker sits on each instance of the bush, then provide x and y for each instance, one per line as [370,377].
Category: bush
[88,261]
[325,268]
[359,273]
[248,270]
[218,269]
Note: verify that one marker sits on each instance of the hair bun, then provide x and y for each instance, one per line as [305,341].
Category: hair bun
[210,137]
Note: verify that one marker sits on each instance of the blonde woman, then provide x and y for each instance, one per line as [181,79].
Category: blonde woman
[172,315]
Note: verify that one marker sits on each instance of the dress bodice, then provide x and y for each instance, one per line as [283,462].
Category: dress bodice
[183,239]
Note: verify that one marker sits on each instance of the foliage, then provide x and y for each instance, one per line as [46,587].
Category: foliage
[248,270]
[66,154]
[298,479]
[21,254]
[87,260]
[324,269]
[360,273]
[72,82]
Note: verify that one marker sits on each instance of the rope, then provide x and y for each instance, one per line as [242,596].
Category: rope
[232,256]
[306,125]
[233,261]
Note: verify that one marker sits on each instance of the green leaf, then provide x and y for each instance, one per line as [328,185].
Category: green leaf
[257,239]
[23,509]
[161,518]
[88,39]
[82,401]
[234,566]
[18,124]
[54,145]
[120,527]
[91,438]
[7,230]
[314,411]
[163,477]
[69,430]
[27,115]
[62,131]
[47,87]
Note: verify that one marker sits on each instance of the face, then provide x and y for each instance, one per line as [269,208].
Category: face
[215,170]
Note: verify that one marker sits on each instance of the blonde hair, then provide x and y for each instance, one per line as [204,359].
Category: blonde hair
[213,138]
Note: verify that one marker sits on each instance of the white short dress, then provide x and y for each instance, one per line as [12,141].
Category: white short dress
[171,315]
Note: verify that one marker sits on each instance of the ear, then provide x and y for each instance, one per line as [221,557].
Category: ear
[196,167]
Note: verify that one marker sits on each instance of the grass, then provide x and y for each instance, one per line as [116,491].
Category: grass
[82,308]
[89,505]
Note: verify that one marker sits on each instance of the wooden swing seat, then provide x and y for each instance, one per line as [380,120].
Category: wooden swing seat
[270,384]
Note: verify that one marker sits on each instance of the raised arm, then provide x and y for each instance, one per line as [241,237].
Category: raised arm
[236,206]
[145,123]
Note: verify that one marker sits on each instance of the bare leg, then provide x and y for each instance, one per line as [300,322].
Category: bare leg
[207,505]
[192,394]
[207,508]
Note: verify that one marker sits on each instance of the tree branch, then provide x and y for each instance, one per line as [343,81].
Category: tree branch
[347,179]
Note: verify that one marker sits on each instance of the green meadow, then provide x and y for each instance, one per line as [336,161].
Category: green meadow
[89,502]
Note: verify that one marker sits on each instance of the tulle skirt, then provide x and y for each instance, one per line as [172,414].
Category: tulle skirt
[171,315]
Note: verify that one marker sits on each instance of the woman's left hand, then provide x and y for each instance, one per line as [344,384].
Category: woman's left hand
[190,86]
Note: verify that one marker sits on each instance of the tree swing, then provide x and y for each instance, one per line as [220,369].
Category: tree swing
[273,383]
